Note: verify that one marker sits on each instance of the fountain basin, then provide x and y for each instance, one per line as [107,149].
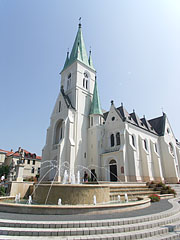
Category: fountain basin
[72,209]
[71,194]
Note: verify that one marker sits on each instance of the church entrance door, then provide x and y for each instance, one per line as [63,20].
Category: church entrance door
[113,171]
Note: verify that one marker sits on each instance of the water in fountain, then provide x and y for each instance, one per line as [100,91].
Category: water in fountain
[65,178]
[73,180]
[126,197]
[30,200]
[16,198]
[78,177]
[94,199]
[59,202]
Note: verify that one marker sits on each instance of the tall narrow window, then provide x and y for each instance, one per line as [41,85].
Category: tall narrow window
[171,148]
[156,149]
[59,106]
[133,140]
[145,144]
[118,141]
[61,133]
[112,140]
[91,121]
[85,80]
[32,170]
[58,132]
[69,81]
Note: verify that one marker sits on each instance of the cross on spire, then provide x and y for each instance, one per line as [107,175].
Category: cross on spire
[80,22]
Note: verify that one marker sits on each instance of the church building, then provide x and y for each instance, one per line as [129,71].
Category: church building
[113,145]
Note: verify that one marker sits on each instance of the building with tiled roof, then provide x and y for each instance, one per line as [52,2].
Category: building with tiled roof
[116,145]
[30,161]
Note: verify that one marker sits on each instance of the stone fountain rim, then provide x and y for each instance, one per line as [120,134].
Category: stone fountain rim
[142,200]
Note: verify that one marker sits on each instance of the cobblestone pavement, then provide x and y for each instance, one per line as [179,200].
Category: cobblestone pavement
[156,207]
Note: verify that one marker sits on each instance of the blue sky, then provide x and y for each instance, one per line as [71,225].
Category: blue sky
[135,48]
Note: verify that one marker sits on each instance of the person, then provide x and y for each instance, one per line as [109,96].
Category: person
[3,178]
[85,177]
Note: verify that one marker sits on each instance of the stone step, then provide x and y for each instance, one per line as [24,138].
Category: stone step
[108,234]
[82,231]
[130,190]
[86,223]
[144,193]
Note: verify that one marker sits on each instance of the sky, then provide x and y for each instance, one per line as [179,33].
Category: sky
[135,49]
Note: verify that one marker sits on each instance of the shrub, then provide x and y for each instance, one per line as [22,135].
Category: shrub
[160,184]
[2,191]
[154,198]
[172,191]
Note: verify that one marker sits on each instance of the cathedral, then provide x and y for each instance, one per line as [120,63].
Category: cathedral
[112,145]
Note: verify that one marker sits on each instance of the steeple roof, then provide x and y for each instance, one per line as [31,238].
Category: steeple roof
[95,105]
[78,52]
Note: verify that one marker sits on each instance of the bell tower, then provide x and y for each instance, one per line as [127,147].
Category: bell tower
[67,135]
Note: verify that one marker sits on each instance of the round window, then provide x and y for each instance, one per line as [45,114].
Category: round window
[113,118]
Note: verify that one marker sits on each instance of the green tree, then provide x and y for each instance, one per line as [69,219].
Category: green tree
[4,169]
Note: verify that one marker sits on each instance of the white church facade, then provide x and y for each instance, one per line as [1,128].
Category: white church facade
[115,145]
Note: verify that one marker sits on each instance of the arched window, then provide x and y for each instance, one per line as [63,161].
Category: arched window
[85,80]
[171,148]
[118,141]
[122,170]
[58,132]
[133,140]
[145,144]
[112,140]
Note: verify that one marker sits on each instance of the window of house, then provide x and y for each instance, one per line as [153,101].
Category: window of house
[168,130]
[59,106]
[112,140]
[145,144]
[58,132]
[118,141]
[133,140]
[69,81]
[171,148]
[91,121]
[85,80]
[122,170]
[113,118]
[28,161]
[34,162]
[85,155]
[38,170]
[156,149]
[32,170]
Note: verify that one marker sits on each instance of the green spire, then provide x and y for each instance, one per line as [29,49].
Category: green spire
[67,60]
[95,105]
[90,60]
[78,52]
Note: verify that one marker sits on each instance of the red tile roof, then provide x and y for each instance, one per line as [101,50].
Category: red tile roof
[16,154]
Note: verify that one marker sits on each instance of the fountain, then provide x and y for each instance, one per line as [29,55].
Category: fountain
[94,199]
[59,202]
[62,196]
[30,200]
[65,178]
[126,197]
